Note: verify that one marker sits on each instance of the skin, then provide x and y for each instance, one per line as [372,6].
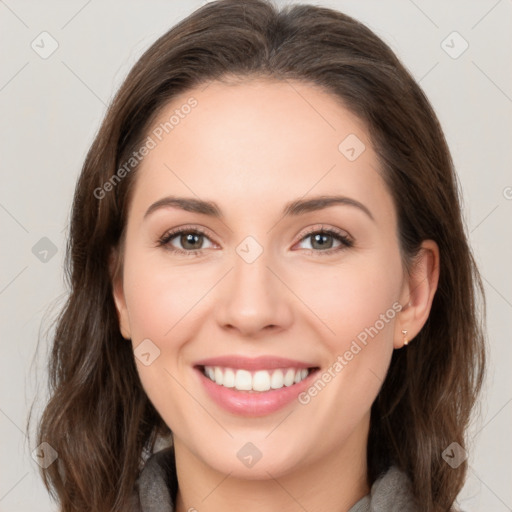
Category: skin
[252,147]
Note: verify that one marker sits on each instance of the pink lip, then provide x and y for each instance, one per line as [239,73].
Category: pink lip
[253,403]
[253,364]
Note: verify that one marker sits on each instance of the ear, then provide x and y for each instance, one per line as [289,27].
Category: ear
[116,275]
[418,293]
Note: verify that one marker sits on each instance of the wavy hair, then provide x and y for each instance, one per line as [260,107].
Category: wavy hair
[98,417]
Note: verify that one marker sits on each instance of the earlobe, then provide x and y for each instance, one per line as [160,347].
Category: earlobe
[119,298]
[418,294]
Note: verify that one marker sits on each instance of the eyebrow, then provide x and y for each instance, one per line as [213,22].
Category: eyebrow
[293,208]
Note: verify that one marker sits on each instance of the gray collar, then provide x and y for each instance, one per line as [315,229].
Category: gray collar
[157,485]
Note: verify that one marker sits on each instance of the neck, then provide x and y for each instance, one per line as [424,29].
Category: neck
[334,482]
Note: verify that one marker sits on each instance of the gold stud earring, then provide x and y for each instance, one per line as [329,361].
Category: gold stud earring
[406,341]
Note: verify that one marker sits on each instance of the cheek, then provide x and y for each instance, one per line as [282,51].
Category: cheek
[160,299]
[358,307]
[164,302]
[159,296]
[353,298]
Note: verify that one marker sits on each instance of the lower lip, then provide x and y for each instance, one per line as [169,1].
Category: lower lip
[255,403]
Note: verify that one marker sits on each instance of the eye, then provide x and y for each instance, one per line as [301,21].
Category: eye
[190,239]
[322,240]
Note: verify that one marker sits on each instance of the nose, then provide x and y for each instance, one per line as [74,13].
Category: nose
[253,298]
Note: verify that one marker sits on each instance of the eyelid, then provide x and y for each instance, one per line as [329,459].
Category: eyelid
[191,227]
[323,228]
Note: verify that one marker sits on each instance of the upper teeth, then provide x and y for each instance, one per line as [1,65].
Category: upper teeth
[261,380]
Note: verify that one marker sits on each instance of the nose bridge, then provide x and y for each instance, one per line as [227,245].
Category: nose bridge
[254,297]
[252,281]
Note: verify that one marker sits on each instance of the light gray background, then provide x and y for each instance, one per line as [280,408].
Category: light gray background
[51,109]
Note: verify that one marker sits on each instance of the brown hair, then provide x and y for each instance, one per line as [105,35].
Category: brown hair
[99,418]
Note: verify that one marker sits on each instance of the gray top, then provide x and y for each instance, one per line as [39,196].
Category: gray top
[157,485]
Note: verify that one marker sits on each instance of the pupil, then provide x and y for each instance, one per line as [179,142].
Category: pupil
[319,237]
[189,238]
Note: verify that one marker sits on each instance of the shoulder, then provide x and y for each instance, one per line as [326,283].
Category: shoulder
[391,492]
[156,484]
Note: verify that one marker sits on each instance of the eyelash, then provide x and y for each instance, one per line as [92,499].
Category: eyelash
[345,241]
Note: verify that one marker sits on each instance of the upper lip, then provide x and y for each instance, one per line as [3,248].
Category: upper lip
[256,363]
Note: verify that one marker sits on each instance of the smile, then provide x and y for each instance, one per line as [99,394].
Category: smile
[254,387]
[262,380]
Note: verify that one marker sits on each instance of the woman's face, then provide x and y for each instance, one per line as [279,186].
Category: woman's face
[252,290]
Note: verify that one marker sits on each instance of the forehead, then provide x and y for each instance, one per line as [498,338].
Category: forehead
[240,142]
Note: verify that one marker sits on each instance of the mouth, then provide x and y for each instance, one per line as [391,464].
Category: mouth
[254,387]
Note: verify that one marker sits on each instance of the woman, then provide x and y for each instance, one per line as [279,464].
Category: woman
[268,267]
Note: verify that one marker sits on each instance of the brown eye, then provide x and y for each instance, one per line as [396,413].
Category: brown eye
[191,241]
[184,241]
[323,240]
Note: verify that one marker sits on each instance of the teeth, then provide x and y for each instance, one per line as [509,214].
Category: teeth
[277,380]
[229,378]
[289,377]
[243,380]
[261,380]
[219,376]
